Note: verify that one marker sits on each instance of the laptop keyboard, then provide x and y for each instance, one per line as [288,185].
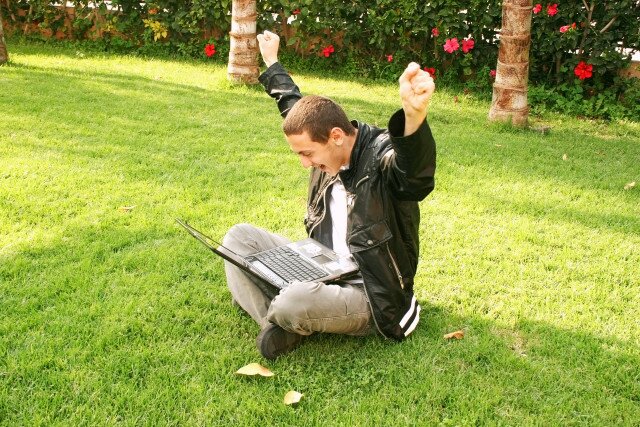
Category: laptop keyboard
[288,264]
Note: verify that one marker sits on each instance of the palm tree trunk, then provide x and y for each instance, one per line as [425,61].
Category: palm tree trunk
[509,102]
[243,49]
[4,55]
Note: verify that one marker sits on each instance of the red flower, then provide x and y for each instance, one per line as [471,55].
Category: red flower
[327,51]
[552,9]
[295,12]
[431,71]
[583,70]
[451,45]
[537,8]
[467,45]
[389,58]
[566,28]
[210,49]
[492,73]
[435,32]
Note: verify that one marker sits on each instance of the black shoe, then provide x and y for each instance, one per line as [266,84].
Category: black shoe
[273,341]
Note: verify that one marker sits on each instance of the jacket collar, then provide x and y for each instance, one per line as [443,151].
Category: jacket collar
[364,132]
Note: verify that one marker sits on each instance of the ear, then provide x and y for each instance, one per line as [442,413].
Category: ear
[336,135]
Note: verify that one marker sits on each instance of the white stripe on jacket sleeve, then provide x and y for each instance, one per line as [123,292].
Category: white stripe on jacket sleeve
[414,323]
[409,313]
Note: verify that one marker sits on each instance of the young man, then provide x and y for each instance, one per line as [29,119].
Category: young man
[364,190]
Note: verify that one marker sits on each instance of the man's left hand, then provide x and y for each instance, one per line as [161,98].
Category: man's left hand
[416,89]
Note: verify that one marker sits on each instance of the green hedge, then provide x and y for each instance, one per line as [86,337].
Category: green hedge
[376,38]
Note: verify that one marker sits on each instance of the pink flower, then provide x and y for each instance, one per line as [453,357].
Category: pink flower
[537,8]
[389,58]
[431,71]
[467,45]
[564,28]
[451,45]
[583,70]
[295,12]
[492,73]
[552,9]
[209,50]
[327,51]
[435,32]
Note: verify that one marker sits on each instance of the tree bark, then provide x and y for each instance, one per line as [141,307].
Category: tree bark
[243,49]
[509,101]
[4,55]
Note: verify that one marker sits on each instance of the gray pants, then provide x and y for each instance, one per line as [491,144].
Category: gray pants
[303,307]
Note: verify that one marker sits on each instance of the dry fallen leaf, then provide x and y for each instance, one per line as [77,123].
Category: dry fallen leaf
[630,185]
[126,208]
[255,369]
[292,397]
[457,335]
[565,157]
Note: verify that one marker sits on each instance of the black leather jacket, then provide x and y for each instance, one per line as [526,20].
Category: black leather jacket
[388,175]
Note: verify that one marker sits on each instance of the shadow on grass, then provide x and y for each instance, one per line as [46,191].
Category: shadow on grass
[594,219]
[111,92]
[135,303]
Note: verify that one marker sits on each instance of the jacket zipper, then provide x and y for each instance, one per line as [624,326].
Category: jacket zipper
[362,180]
[373,316]
[395,266]
[322,197]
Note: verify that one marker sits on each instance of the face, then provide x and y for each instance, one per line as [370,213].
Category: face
[328,157]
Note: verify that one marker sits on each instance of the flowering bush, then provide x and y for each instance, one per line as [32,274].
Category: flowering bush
[572,33]
[392,33]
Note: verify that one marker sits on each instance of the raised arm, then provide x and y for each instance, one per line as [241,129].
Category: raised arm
[410,165]
[276,80]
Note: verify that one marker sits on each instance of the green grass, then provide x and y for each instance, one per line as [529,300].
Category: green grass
[114,318]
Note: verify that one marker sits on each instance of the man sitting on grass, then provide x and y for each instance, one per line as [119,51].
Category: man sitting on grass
[363,199]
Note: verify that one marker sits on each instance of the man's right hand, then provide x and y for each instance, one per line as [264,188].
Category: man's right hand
[269,44]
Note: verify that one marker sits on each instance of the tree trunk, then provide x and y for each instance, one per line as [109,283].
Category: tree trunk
[243,49]
[509,102]
[4,56]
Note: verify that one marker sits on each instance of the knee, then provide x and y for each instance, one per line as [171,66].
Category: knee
[294,305]
[236,237]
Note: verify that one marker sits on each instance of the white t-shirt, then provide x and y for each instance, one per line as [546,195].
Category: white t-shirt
[338,209]
[338,203]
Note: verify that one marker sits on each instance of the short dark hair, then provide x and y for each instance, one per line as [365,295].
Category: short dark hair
[316,115]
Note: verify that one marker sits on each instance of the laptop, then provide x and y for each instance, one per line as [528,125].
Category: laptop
[302,261]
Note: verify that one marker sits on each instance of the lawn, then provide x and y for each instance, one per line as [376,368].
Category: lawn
[530,243]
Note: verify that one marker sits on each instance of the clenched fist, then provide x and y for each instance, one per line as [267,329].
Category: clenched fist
[416,89]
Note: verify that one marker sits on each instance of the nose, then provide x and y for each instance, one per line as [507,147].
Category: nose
[305,162]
